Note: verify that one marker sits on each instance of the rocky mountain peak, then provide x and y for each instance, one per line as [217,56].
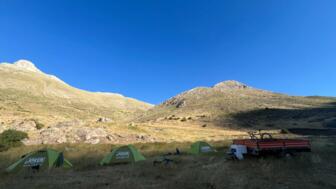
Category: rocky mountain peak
[26,65]
[231,84]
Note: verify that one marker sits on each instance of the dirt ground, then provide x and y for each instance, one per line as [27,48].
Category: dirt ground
[307,170]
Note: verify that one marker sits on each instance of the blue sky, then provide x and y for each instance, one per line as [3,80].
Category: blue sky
[152,50]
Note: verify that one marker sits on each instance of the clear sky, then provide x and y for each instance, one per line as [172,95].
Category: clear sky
[154,49]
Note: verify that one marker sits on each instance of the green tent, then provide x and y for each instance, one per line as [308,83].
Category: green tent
[123,154]
[42,159]
[201,147]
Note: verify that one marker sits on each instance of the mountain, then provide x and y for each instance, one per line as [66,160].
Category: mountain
[52,112]
[27,92]
[234,105]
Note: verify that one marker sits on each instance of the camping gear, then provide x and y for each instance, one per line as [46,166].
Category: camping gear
[42,159]
[238,151]
[123,154]
[201,147]
[176,153]
[163,160]
[264,144]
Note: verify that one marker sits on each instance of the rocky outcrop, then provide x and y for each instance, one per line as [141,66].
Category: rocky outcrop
[77,132]
[24,125]
[230,84]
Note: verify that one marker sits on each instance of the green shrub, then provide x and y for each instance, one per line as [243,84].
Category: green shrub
[12,138]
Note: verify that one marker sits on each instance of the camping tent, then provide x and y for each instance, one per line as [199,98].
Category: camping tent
[42,159]
[123,154]
[201,147]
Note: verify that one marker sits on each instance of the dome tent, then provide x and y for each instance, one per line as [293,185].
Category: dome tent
[201,147]
[42,159]
[123,154]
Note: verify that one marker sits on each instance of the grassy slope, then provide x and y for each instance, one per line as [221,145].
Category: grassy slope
[310,171]
[30,94]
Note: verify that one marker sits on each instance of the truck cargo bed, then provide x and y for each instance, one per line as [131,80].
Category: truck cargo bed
[259,145]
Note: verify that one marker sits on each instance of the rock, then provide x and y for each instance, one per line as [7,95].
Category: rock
[132,124]
[183,119]
[141,137]
[92,141]
[61,140]
[104,120]
[110,138]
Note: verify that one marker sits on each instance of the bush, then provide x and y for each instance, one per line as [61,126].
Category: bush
[39,125]
[12,138]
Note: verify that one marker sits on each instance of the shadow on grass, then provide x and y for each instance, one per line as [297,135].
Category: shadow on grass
[294,119]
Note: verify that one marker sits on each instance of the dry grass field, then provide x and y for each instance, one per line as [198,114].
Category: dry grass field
[309,170]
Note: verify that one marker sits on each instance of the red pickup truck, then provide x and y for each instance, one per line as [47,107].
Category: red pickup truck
[266,144]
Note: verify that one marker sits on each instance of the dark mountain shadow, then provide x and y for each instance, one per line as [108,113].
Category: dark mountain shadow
[305,121]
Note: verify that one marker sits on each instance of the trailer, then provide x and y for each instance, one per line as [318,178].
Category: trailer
[264,144]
